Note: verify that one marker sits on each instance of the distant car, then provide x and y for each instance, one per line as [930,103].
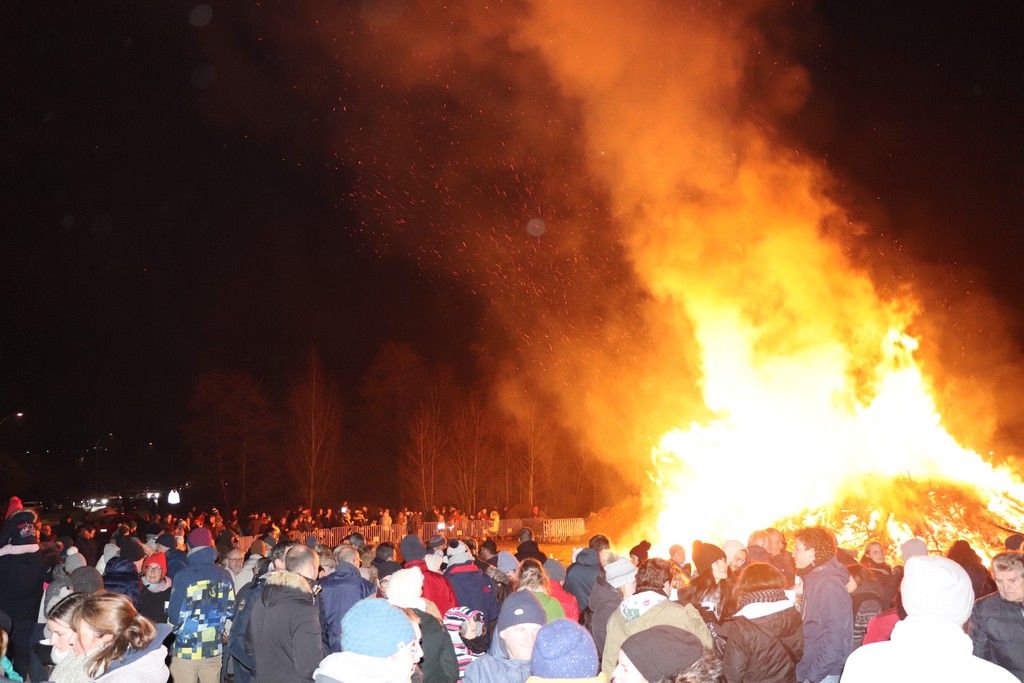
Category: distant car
[106,524]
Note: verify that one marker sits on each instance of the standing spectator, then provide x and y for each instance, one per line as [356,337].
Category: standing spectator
[86,544]
[123,646]
[234,562]
[202,600]
[874,559]
[556,574]
[23,570]
[379,643]
[827,606]
[436,587]
[121,574]
[508,659]
[472,588]
[533,578]
[758,547]
[648,607]
[564,650]
[964,555]
[781,557]
[910,548]
[583,572]
[997,622]
[439,665]
[69,666]
[665,653]
[866,595]
[284,634]
[339,592]
[156,594]
[765,639]
[468,631]
[528,547]
[618,583]
[930,644]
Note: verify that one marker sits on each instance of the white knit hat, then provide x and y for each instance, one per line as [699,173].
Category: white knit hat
[405,589]
[937,588]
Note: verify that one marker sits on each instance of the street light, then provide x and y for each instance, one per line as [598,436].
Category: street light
[18,415]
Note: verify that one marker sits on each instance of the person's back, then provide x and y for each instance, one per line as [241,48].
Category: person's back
[922,652]
[581,575]
[764,640]
[342,589]
[930,644]
[284,635]
[202,600]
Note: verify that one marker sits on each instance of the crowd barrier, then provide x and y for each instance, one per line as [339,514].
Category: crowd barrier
[545,530]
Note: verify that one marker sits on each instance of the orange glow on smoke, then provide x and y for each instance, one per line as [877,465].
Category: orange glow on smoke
[812,390]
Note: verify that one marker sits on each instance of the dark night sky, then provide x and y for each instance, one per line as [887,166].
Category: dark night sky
[145,241]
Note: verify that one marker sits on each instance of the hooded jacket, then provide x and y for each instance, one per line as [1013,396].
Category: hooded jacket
[473,589]
[996,628]
[284,634]
[645,610]
[141,666]
[757,638]
[202,599]
[603,601]
[581,575]
[828,622]
[497,667]
[121,577]
[436,588]
[340,590]
[923,650]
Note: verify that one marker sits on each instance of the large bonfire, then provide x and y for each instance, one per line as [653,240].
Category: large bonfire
[700,284]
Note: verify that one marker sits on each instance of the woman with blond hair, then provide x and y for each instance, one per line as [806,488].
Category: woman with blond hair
[532,577]
[120,645]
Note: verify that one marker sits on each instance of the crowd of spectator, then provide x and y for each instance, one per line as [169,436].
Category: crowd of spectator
[178,599]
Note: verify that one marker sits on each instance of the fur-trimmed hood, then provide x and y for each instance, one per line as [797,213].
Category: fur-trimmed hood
[287,579]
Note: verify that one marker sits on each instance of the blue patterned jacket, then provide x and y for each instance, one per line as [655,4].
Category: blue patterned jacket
[202,599]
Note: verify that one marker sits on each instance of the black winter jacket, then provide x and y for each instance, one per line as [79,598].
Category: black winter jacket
[284,630]
[996,628]
[755,648]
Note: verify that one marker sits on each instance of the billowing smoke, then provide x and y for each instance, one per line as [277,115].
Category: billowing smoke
[607,178]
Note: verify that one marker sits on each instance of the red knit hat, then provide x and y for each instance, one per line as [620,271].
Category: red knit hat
[158,559]
[13,506]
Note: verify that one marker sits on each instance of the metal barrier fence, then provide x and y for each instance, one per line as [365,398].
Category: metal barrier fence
[545,530]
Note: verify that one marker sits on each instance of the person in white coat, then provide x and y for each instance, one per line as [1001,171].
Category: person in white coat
[930,644]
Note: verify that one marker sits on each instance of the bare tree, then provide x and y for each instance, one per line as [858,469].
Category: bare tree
[316,431]
[471,451]
[232,428]
[421,464]
[538,437]
[425,458]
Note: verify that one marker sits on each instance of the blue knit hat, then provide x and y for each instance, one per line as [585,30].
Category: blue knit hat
[375,628]
[564,649]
